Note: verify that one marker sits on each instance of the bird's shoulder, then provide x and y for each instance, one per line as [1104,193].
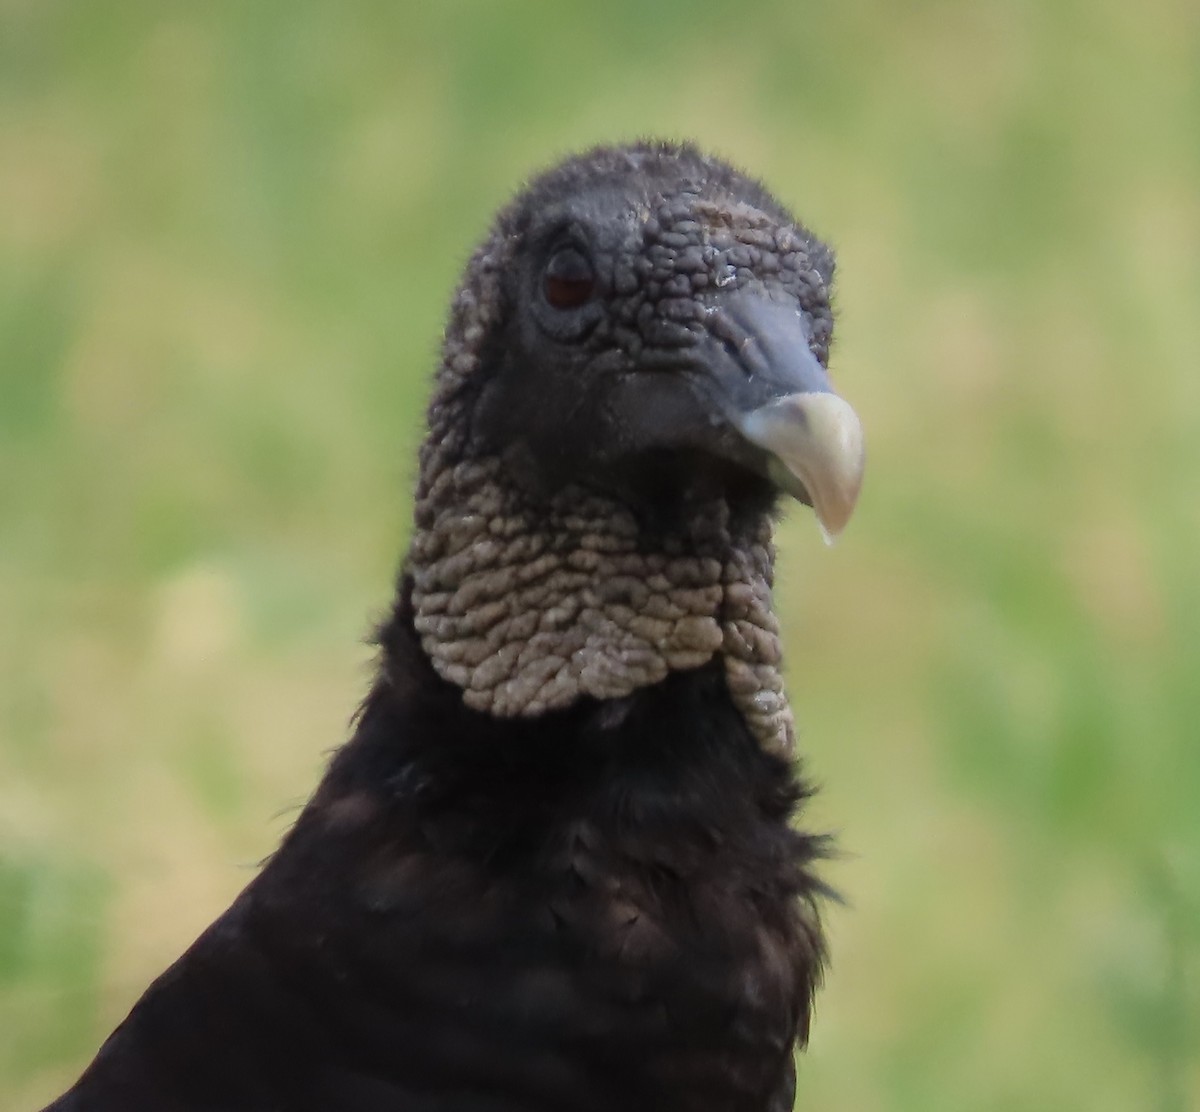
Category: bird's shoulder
[606,907]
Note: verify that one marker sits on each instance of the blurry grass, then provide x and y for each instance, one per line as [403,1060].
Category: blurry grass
[227,236]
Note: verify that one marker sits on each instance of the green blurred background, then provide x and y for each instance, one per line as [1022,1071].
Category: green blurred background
[227,235]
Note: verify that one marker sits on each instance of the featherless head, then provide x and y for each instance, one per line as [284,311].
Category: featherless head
[634,368]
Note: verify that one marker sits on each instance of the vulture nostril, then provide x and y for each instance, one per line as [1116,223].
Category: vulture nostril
[733,350]
[734,342]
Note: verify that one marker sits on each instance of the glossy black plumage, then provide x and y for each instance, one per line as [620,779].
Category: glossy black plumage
[586,911]
[555,865]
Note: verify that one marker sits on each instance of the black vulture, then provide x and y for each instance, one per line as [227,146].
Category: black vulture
[555,866]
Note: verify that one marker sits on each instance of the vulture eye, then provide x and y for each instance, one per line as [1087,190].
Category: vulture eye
[569,280]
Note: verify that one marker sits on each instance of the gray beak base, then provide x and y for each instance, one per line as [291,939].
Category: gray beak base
[776,395]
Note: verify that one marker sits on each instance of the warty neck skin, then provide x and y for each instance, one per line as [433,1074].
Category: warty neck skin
[634,370]
[529,598]
[529,604]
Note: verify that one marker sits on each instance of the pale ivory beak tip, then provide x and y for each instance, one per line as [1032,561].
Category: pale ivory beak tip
[816,451]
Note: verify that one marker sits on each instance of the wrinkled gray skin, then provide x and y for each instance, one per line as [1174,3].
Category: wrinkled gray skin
[589,517]
[490,907]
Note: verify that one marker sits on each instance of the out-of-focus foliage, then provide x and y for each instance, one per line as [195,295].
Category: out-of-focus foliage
[227,235]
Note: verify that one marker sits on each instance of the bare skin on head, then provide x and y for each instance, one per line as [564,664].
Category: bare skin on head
[558,863]
[547,563]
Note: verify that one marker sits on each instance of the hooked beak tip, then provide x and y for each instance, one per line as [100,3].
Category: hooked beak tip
[815,451]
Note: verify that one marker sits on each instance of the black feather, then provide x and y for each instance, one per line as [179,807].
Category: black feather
[602,906]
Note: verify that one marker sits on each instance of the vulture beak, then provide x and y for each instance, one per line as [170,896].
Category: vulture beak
[776,397]
[815,452]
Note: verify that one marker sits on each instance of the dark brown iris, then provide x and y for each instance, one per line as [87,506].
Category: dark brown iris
[569,280]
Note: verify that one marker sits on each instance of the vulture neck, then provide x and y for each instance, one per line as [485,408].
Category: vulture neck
[528,603]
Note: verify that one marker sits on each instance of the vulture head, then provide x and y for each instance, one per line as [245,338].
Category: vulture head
[634,369]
